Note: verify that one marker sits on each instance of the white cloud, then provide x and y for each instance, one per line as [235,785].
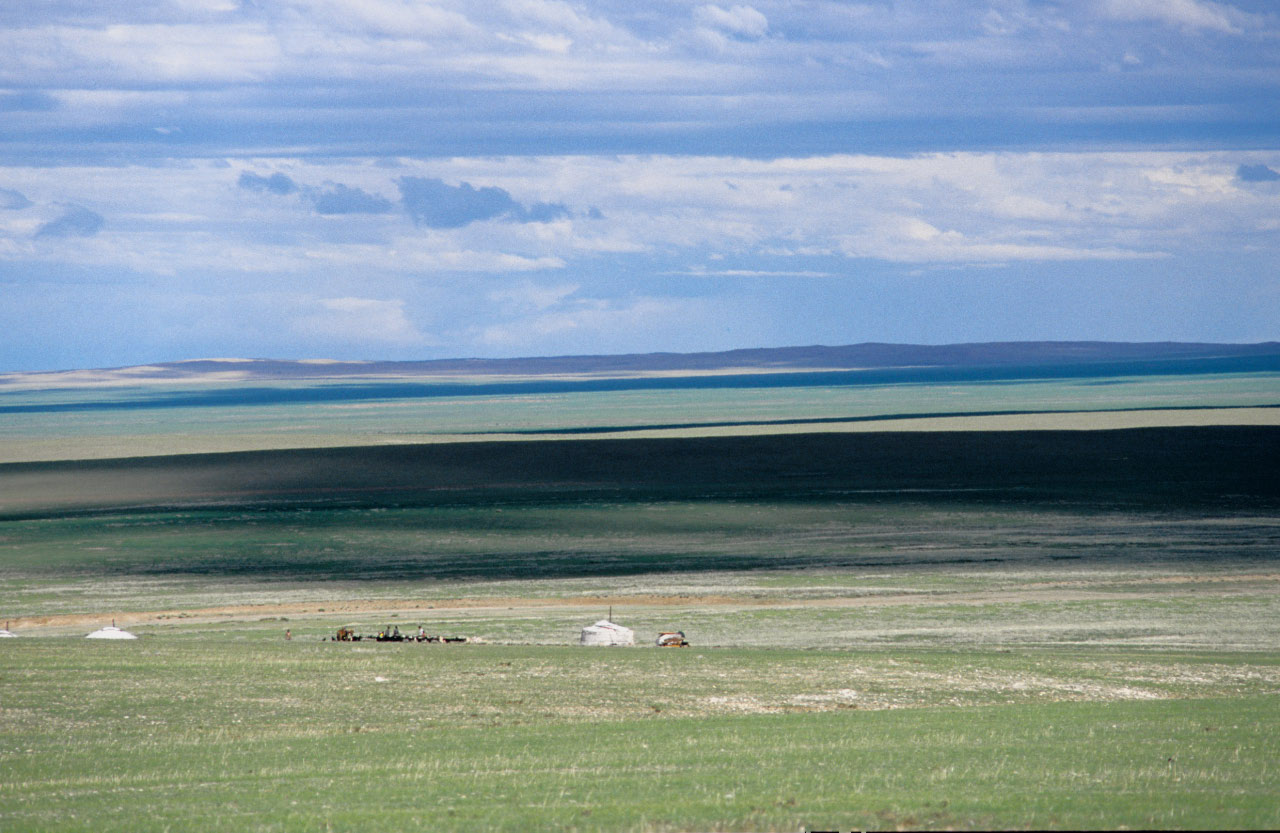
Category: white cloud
[526,295]
[412,255]
[549,17]
[911,240]
[404,18]
[358,320]
[175,52]
[589,320]
[743,21]
[703,272]
[956,207]
[1190,14]
[206,6]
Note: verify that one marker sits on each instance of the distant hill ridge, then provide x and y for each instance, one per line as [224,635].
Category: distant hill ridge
[818,357]
[871,356]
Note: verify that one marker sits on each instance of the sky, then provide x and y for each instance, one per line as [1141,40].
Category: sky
[394,179]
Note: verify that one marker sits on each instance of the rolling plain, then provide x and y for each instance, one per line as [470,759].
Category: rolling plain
[1022,596]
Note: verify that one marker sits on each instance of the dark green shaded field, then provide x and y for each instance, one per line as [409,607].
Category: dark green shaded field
[548,509]
[1230,467]
[584,539]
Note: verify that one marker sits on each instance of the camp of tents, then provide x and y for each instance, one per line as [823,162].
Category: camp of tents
[603,632]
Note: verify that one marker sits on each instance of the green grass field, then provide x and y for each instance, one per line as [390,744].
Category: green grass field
[46,433]
[942,630]
[220,734]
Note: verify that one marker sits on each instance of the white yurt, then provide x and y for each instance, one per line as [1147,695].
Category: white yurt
[605,632]
[110,632]
[5,633]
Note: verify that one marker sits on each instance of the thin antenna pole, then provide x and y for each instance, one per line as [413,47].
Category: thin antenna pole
[610,613]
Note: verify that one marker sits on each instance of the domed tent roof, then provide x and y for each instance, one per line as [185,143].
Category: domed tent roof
[5,633]
[605,632]
[110,632]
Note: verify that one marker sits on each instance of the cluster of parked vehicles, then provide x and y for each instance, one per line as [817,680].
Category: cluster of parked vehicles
[393,634]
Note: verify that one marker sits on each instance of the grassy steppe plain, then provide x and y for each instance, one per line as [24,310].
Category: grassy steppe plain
[269,736]
[935,630]
[122,421]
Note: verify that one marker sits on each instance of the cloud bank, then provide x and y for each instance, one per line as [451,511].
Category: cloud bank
[454,78]
[187,178]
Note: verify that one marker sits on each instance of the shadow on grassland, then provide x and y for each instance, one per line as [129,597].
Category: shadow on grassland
[554,509]
[371,565]
[1225,466]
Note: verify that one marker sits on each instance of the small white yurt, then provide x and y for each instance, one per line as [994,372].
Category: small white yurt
[110,632]
[5,633]
[605,632]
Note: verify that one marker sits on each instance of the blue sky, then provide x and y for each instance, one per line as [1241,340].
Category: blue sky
[398,180]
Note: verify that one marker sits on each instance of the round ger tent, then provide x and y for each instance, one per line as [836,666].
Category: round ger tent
[110,632]
[5,633]
[605,632]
